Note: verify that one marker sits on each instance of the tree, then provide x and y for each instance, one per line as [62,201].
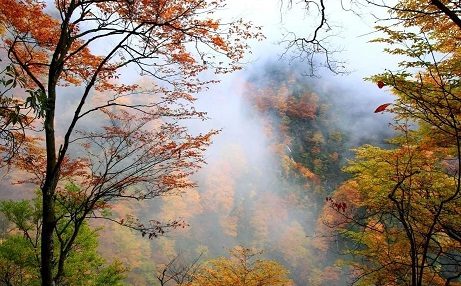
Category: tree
[407,196]
[20,250]
[420,13]
[402,196]
[179,269]
[243,268]
[89,44]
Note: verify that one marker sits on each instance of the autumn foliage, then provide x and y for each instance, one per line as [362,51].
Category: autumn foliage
[244,267]
[402,223]
[82,51]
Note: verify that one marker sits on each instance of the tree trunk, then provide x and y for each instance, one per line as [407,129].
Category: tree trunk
[450,13]
[47,243]
[48,191]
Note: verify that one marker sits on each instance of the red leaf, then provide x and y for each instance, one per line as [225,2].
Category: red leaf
[382,107]
[380,84]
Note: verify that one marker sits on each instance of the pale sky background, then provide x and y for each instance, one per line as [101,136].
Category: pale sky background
[353,32]
[353,35]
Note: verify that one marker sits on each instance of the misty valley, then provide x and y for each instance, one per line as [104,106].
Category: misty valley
[142,142]
[279,156]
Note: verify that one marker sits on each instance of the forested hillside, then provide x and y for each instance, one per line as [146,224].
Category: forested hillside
[264,187]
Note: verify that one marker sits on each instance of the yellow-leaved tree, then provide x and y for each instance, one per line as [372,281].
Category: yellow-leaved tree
[399,214]
[243,268]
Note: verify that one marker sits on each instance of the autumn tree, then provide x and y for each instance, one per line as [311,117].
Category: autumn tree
[242,268]
[393,211]
[421,13]
[430,93]
[406,198]
[142,152]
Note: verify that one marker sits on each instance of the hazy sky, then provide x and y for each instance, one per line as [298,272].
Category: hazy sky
[353,33]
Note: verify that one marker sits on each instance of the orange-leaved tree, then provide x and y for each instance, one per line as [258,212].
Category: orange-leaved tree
[79,51]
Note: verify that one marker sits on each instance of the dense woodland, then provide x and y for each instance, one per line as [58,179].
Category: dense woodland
[109,180]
